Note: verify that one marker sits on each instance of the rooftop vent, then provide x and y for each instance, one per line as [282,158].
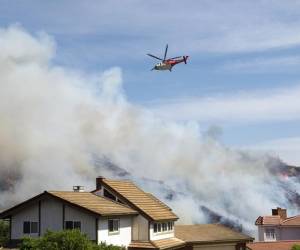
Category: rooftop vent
[78,188]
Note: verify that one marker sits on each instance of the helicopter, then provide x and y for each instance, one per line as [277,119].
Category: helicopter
[168,64]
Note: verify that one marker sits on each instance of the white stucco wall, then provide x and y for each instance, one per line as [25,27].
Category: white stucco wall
[51,215]
[123,238]
[140,228]
[88,222]
[160,235]
[30,213]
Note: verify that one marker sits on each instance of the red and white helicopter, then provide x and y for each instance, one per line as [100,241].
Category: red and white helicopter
[168,64]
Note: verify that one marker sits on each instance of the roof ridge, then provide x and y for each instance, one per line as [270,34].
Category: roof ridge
[290,218]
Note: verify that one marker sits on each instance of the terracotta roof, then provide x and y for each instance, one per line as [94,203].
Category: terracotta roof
[291,221]
[168,243]
[277,221]
[277,245]
[140,200]
[268,220]
[158,244]
[208,233]
[93,203]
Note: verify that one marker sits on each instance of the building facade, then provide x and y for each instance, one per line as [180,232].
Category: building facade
[278,227]
[116,212]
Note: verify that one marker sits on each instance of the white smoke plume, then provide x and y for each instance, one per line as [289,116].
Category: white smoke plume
[61,127]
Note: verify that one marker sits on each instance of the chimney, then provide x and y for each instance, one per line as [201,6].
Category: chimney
[281,212]
[98,182]
[78,188]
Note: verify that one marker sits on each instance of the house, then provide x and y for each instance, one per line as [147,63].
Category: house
[211,237]
[278,227]
[116,212]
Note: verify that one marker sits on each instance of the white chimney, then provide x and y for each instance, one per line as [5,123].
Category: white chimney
[78,188]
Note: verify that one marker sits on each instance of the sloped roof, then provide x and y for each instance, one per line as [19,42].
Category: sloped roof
[202,233]
[141,244]
[268,220]
[168,243]
[157,244]
[291,221]
[277,245]
[94,203]
[150,206]
[275,220]
[85,200]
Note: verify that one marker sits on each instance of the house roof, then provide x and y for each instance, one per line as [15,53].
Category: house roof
[94,203]
[207,233]
[83,200]
[157,244]
[145,203]
[275,220]
[168,243]
[277,245]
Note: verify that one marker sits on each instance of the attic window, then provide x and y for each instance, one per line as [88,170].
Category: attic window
[109,195]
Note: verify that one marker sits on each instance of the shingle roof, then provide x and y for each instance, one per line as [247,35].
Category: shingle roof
[168,243]
[275,220]
[208,233]
[157,244]
[93,203]
[141,245]
[277,245]
[140,200]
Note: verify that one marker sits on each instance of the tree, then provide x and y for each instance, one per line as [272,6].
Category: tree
[295,247]
[64,240]
[4,232]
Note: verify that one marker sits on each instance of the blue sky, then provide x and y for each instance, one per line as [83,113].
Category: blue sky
[243,75]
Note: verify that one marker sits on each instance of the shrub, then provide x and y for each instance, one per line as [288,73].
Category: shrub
[296,247]
[64,240]
[4,232]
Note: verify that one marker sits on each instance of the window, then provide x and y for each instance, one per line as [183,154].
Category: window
[170,225]
[163,227]
[113,226]
[69,225]
[109,195]
[270,234]
[158,227]
[30,227]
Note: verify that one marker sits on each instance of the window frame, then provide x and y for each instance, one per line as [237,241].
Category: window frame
[163,227]
[270,234]
[28,227]
[72,223]
[115,222]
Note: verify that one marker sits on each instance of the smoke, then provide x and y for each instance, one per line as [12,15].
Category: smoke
[60,127]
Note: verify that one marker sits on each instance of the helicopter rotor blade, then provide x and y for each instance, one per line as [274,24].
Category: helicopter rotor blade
[155,57]
[176,57]
[166,51]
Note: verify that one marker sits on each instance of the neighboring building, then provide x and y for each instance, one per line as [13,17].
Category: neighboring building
[278,226]
[211,237]
[119,213]
[275,245]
